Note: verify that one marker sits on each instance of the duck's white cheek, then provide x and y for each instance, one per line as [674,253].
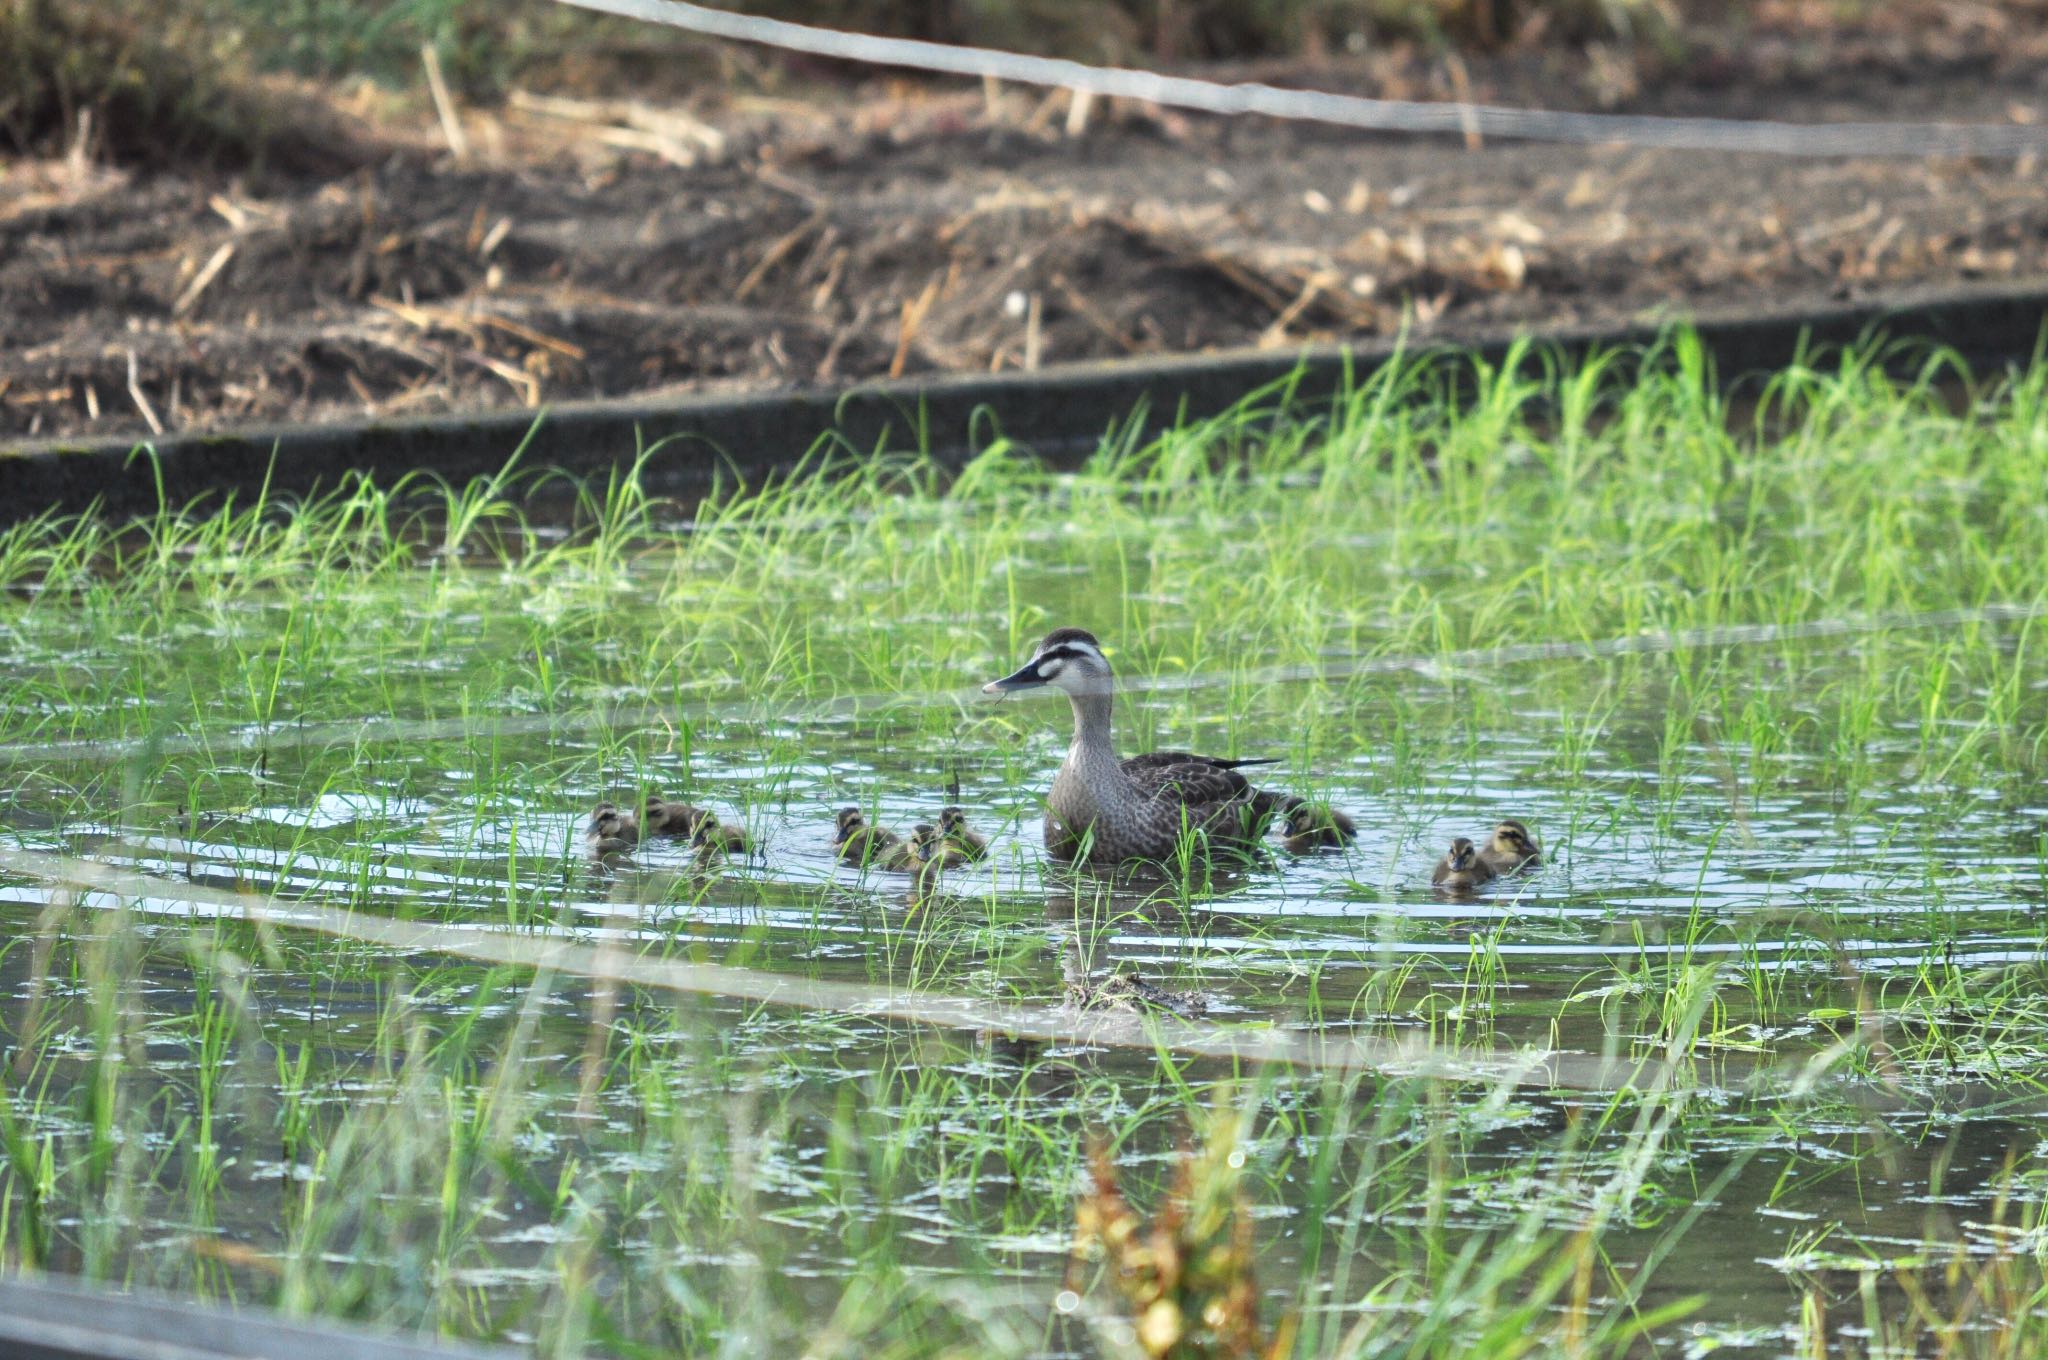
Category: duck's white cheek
[1050,671]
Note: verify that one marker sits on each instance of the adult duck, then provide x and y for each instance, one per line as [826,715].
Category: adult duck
[1107,810]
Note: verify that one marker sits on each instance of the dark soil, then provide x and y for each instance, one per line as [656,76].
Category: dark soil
[865,229]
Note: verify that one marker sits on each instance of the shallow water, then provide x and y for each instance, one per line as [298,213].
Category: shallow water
[1809,902]
[1766,1021]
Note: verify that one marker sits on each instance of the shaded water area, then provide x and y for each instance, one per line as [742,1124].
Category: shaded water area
[1775,710]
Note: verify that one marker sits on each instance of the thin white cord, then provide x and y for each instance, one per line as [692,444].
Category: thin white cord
[1381,115]
[1413,1056]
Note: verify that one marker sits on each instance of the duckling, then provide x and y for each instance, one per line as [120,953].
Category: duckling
[611,831]
[1138,808]
[700,826]
[677,821]
[953,826]
[934,850]
[899,857]
[1511,847]
[713,834]
[1126,990]
[1310,827]
[1461,868]
[856,842]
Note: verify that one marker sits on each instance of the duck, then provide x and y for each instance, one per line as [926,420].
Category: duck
[712,834]
[1111,810]
[611,831]
[1310,827]
[677,821]
[1510,847]
[934,850]
[858,842]
[1127,990]
[1461,867]
[953,826]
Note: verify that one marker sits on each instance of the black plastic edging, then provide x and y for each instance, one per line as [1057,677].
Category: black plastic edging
[1058,411]
[47,1318]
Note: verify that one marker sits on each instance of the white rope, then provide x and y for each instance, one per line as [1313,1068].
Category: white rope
[1382,115]
[1415,1056]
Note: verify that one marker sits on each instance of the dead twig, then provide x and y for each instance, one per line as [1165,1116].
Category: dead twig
[518,379]
[444,105]
[1033,332]
[841,338]
[907,327]
[1080,104]
[208,272]
[141,400]
[672,127]
[777,250]
[1093,315]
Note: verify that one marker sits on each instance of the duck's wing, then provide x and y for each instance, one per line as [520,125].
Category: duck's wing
[1135,764]
[1192,780]
[1203,784]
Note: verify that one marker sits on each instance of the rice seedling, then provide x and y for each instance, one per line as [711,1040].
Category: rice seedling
[1767,693]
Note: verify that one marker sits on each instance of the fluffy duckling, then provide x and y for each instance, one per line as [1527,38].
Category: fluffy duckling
[611,831]
[899,857]
[934,850]
[1310,827]
[713,834]
[678,821]
[1463,867]
[953,826]
[857,842]
[1126,990]
[1511,847]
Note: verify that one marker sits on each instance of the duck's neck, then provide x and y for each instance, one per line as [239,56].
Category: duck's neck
[1092,754]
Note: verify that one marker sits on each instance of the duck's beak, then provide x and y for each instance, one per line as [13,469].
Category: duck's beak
[1026,677]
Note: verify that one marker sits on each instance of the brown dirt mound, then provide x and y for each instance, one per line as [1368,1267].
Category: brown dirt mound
[751,239]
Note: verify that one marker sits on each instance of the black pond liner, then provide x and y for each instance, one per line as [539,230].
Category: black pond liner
[1059,413]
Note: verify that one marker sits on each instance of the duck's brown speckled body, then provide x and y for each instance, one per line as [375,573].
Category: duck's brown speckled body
[1144,808]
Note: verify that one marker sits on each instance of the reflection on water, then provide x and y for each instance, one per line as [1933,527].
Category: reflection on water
[1812,906]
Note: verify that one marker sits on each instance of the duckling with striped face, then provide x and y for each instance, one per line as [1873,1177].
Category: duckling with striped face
[1310,828]
[611,831]
[1143,808]
[1461,868]
[1510,847]
[858,842]
[934,851]
[953,826]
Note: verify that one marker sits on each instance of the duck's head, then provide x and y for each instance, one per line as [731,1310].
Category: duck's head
[606,819]
[923,836]
[1512,838]
[1069,659]
[846,821]
[1462,853]
[951,819]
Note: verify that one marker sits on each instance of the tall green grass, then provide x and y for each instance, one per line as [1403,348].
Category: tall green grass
[1759,667]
